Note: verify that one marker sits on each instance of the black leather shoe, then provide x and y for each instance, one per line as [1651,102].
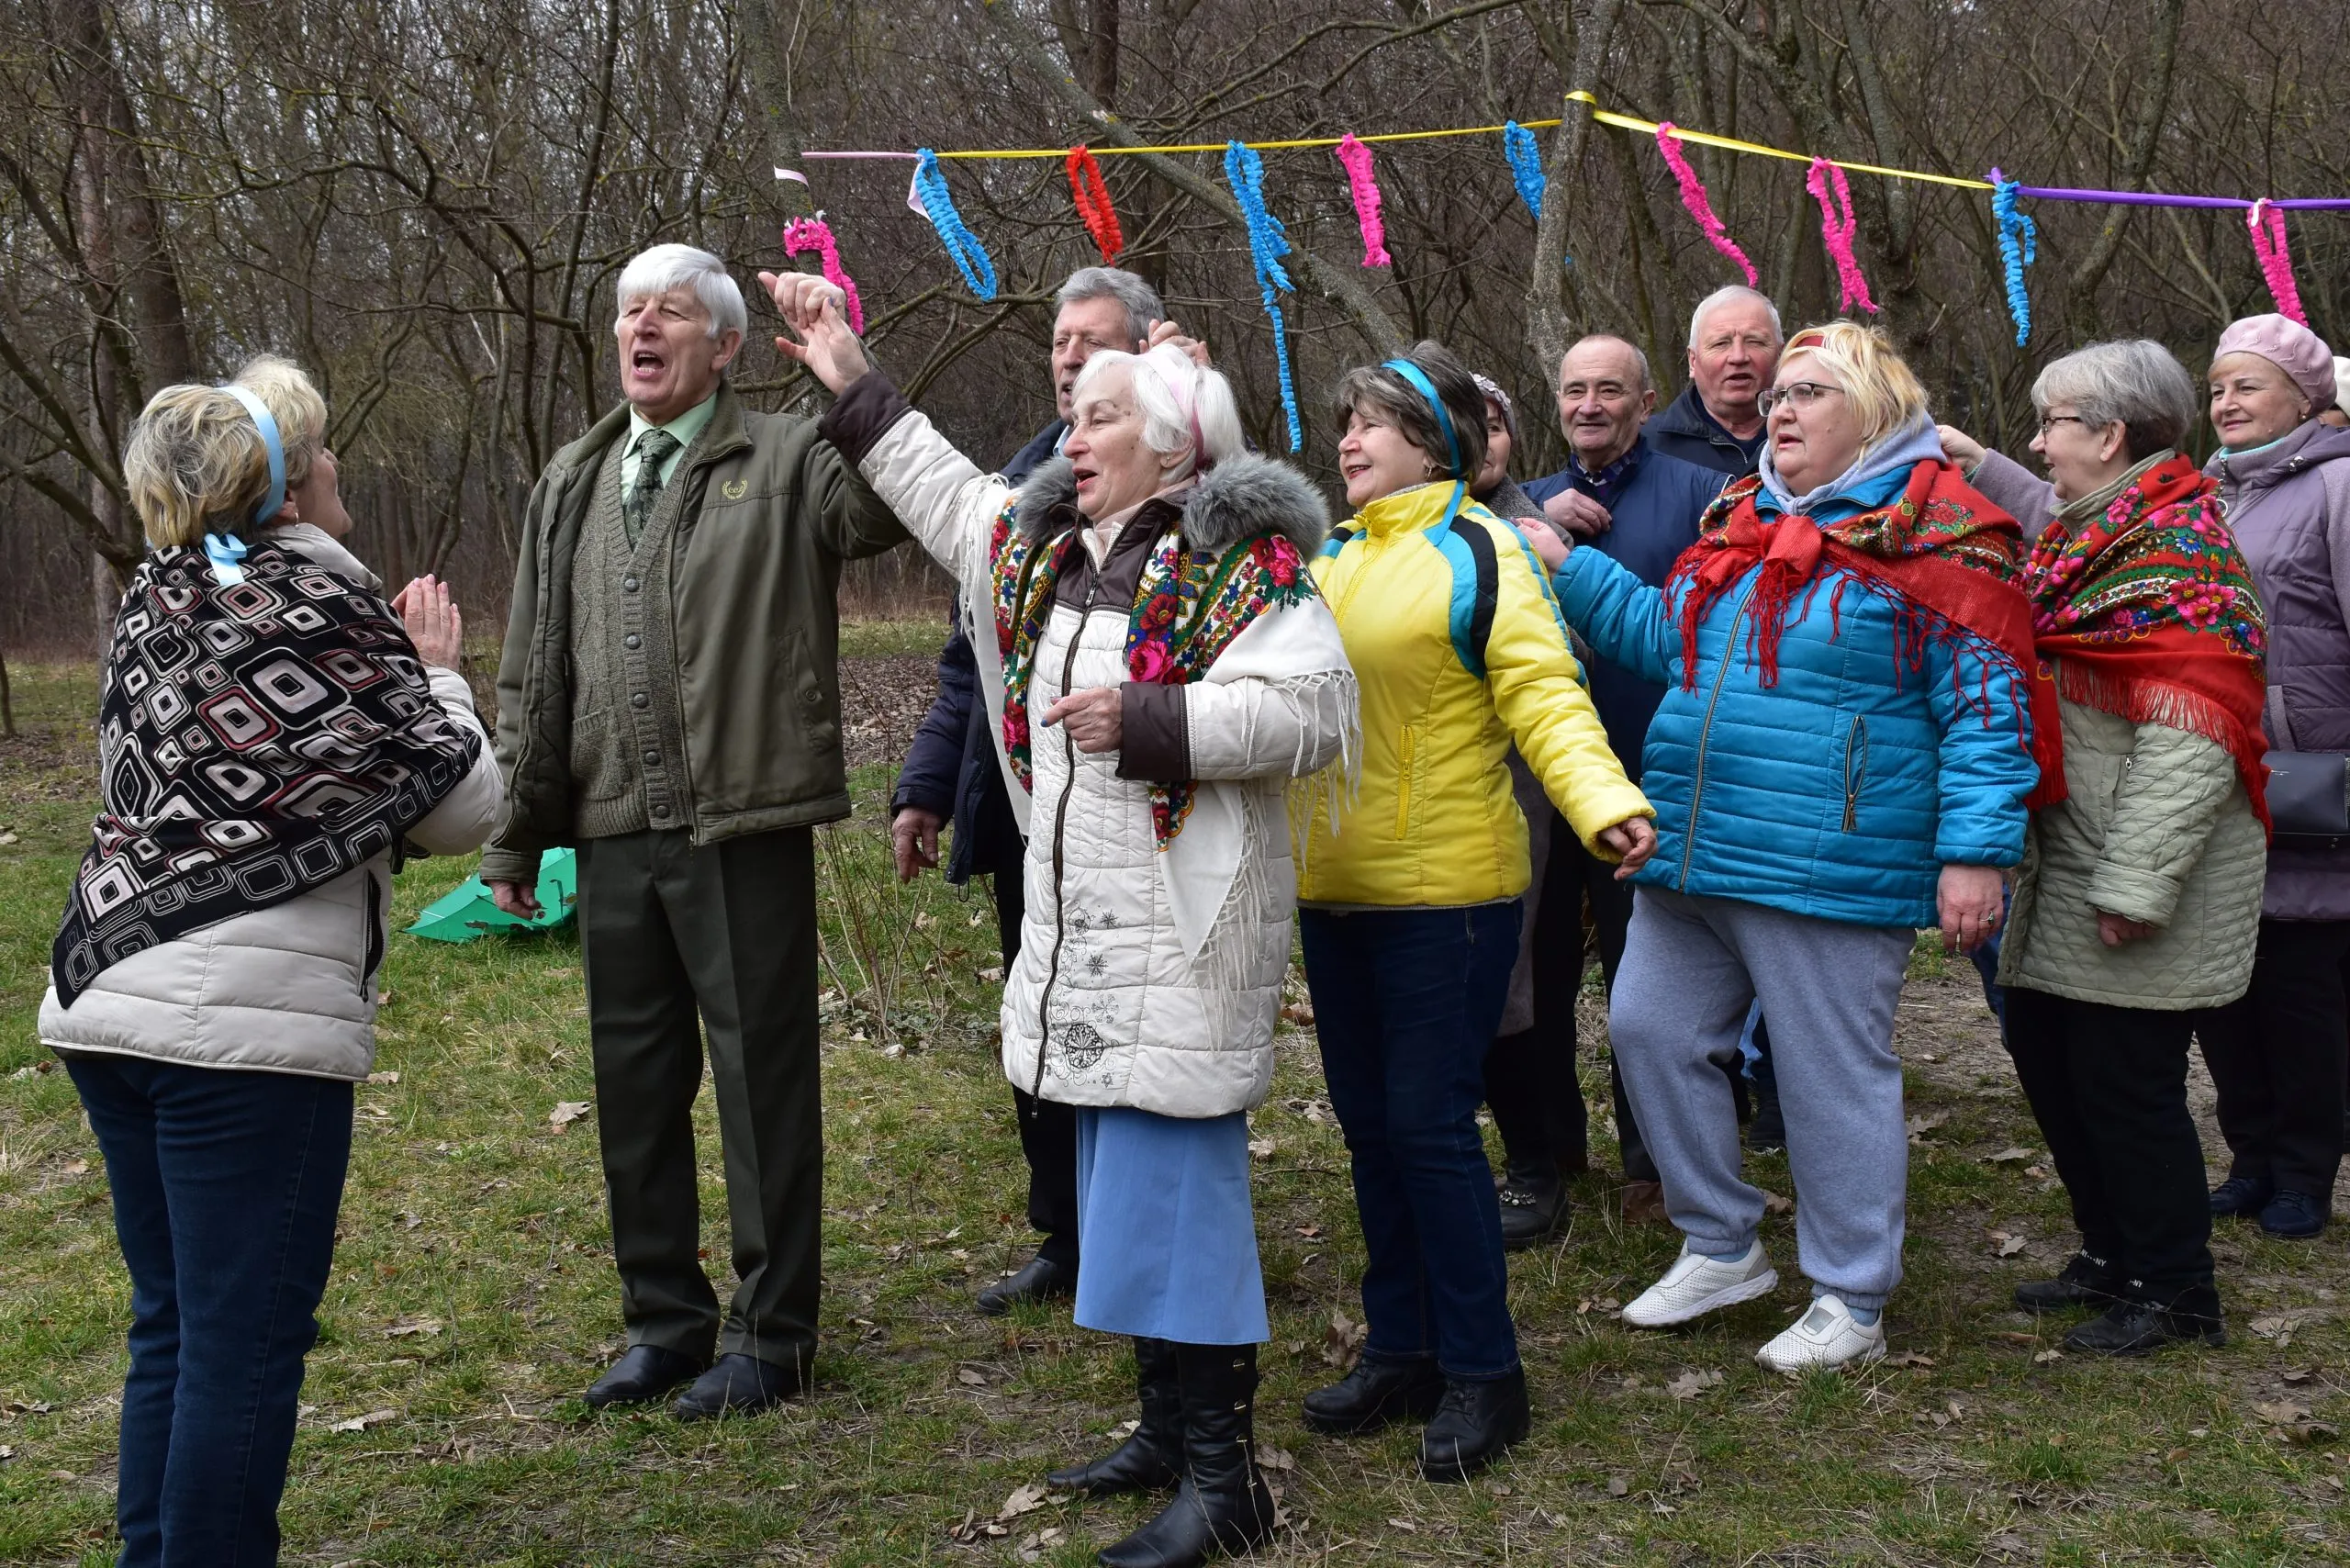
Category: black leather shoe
[1767,1133]
[1223,1505]
[737,1385]
[1152,1459]
[2086,1282]
[1475,1422]
[642,1375]
[2296,1216]
[2139,1329]
[1041,1280]
[1532,1207]
[2240,1196]
[1374,1393]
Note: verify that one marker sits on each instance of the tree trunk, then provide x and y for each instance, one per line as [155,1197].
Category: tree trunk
[1549,326]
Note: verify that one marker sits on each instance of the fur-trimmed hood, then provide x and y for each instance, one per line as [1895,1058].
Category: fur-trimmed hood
[1239,497]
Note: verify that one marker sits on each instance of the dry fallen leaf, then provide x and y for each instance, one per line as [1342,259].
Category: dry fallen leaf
[2296,1374]
[1909,1358]
[1620,1487]
[566,1112]
[1261,1147]
[7,1453]
[1311,1232]
[1271,1458]
[2010,1246]
[1342,1341]
[1406,1526]
[1024,1499]
[2044,1356]
[1921,1126]
[1692,1383]
[1773,1203]
[361,1422]
[79,1168]
[1299,1012]
[383,1078]
[2007,1156]
[405,1329]
[2283,1412]
[965,1376]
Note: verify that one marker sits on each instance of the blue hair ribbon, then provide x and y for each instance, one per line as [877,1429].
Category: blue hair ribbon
[1420,383]
[226,551]
[938,206]
[2018,247]
[1268,243]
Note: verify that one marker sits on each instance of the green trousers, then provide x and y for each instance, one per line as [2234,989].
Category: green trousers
[727,932]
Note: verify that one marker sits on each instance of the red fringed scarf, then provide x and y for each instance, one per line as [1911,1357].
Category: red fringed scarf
[2154,614]
[1944,552]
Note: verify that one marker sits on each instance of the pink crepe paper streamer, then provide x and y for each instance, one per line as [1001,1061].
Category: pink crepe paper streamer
[816,234]
[1701,207]
[1836,225]
[1357,158]
[2268,226]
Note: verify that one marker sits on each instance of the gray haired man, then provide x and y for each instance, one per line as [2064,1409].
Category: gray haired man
[669,704]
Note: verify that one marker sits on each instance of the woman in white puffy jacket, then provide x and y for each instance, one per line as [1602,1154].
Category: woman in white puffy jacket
[270,737]
[1158,668]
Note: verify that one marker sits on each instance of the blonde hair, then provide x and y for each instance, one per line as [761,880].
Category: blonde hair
[1886,395]
[293,399]
[195,464]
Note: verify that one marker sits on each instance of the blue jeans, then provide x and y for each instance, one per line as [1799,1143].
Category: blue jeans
[225,1191]
[1406,1001]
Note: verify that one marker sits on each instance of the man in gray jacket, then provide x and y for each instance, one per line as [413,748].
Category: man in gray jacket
[669,704]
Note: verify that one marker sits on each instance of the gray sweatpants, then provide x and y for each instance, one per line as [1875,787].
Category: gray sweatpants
[1691,967]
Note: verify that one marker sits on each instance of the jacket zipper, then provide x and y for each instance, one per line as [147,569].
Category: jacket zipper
[372,950]
[1061,829]
[1856,741]
[1706,735]
[1403,781]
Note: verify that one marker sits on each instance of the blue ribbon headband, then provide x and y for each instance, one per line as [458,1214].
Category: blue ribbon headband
[1427,388]
[225,551]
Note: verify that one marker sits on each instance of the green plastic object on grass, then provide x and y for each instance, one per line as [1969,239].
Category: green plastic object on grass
[468,913]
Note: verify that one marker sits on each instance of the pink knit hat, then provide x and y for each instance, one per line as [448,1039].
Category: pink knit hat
[2290,347]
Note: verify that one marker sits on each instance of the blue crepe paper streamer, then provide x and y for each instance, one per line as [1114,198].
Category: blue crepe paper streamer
[2018,247]
[971,256]
[1525,166]
[1268,243]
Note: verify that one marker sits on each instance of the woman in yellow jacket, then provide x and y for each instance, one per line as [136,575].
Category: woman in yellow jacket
[1409,896]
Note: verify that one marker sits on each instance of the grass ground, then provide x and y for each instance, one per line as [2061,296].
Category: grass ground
[473,1298]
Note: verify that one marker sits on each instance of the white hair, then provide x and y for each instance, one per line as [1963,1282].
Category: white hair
[664,268]
[1177,397]
[1728,294]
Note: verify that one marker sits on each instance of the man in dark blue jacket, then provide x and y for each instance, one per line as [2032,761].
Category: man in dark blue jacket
[1716,423]
[1618,496]
[950,775]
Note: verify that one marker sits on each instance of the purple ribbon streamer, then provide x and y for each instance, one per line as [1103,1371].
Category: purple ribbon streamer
[2158,199]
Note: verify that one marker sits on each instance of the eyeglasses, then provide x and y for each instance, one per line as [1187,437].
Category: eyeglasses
[1802,394]
[2048,421]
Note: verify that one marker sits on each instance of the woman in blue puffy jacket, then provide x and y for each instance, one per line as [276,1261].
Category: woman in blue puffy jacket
[1841,758]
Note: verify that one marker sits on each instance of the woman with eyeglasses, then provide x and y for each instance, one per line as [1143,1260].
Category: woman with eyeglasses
[1841,758]
[1408,894]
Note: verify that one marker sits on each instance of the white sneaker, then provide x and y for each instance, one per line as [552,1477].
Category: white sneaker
[1697,1284]
[1826,1336]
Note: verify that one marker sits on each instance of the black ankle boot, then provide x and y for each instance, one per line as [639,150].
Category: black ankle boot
[1222,1504]
[1474,1424]
[1152,1459]
[2086,1281]
[1374,1393]
[2135,1326]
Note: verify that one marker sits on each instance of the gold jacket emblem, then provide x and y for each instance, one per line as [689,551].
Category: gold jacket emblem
[735,490]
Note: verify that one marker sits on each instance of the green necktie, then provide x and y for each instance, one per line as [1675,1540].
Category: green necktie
[653,449]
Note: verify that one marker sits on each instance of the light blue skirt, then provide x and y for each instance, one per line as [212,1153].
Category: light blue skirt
[1167,1241]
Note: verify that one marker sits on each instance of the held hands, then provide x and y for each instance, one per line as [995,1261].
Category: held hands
[1972,901]
[914,841]
[1548,543]
[812,307]
[1634,839]
[1092,717]
[514,899]
[2115,929]
[1578,514]
[432,622]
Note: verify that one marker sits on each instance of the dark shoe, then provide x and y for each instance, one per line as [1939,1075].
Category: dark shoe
[1473,1426]
[1152,1459]
[2086,1282]
[1042,1280]
[736,1385]
[1222,1504]
[2139,1329]
[2297,1216]
[1767,1133]
[2240,1197]
[1531,1209]
[1374,1393]
[1644,1204]
[643,1374]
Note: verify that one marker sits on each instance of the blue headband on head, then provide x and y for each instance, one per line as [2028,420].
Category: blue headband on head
[1427,388]
[226,550]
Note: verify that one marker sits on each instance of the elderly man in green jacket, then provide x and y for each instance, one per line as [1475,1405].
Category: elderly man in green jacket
[669,704]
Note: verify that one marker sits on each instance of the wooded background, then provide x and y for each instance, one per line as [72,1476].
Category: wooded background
[427,204]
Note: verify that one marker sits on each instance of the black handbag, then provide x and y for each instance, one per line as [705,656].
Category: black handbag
[2309,799]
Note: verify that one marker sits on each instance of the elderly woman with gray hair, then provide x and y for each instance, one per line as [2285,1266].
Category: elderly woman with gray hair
[2138,902]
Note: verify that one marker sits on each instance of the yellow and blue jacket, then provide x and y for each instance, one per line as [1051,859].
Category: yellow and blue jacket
[1459,651]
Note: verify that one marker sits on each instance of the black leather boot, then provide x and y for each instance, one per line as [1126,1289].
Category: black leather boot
[2086,1281]
[1151,1460]
[1533,1203]
[1474,1424]
[2135,1326]
[1222,1504]
[1374,1393]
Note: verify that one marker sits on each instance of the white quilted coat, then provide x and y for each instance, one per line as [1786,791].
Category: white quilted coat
[290,988]
[1147,978]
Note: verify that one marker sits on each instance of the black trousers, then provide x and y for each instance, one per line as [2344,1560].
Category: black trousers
[2277,1054]
[677,940]
[1047,1128]
[2109,1087]
[1531,1082]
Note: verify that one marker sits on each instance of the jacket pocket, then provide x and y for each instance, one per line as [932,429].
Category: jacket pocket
[1407,756]
[1856,769]
[373,939]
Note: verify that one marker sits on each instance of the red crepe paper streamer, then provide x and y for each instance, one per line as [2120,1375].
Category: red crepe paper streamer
[1357,158]
[1700,206]
[814,234]
[2268,226]
[1836,226]
[1093,195]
